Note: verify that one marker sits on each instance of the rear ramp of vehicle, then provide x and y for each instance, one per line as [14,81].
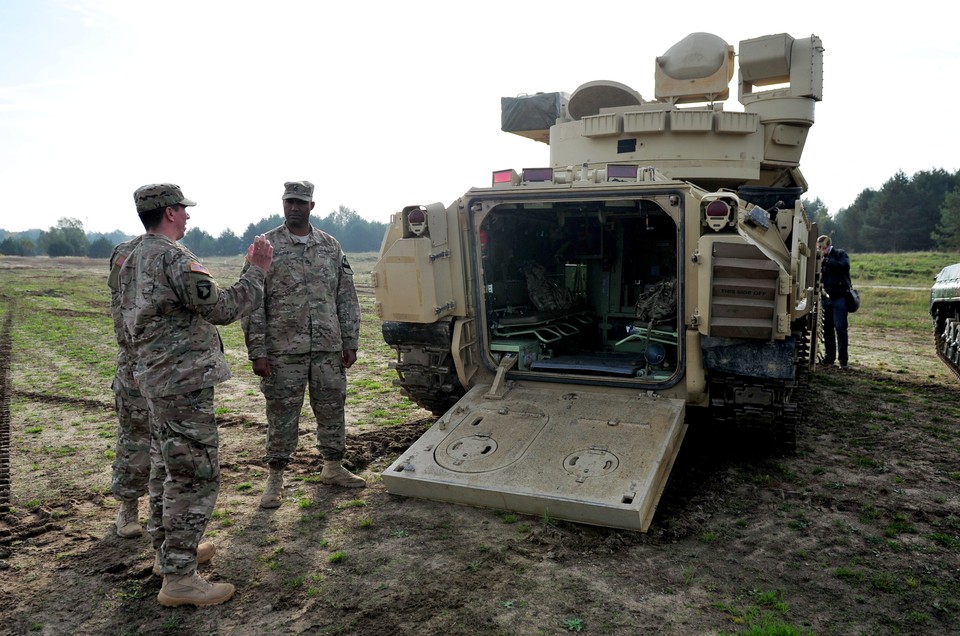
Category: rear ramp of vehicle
[562,451]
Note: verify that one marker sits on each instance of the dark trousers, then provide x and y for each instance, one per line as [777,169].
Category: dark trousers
[835,329]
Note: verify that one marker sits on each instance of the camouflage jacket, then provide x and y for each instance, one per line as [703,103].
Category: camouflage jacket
[124,373]
[169,306]
[309,302]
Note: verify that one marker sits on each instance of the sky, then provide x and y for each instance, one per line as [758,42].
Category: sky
[389,104]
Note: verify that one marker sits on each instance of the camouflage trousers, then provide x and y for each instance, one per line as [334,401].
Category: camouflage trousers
[185,479]
[131,467]
[323,372]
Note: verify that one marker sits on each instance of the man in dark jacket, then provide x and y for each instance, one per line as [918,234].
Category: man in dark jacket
[835,279]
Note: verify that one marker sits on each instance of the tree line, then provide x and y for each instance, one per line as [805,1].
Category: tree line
[68,238]
[907,214]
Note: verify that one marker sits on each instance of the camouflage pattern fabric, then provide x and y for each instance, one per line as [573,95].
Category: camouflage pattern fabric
[131,467]
[186,454]
[310,302]
[302,190]
[310,309]
[323,372]
[659,303]
[124,373]
[159,195]
[169,305]
[545,294]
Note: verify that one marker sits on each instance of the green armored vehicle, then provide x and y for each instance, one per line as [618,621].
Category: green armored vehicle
[566,320]
[945,309]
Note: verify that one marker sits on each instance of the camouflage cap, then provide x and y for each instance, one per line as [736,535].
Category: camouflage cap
[159,195]
[302,190]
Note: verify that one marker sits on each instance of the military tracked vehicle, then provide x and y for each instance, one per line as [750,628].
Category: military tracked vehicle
[945,309]
[567,320]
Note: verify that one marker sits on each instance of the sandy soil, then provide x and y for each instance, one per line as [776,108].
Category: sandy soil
[858,533]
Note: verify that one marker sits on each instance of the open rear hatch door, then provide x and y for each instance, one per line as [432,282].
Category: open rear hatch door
[572,452]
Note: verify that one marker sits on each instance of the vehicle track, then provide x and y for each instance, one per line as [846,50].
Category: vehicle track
[5,354]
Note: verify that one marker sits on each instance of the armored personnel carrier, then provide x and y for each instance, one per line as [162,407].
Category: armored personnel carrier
[945,309]
[566,320]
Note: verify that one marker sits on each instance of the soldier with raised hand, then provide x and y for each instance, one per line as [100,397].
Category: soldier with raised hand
[169,304]
[305,333]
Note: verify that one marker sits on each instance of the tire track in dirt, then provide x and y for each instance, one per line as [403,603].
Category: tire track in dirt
[46,398]
[5,354]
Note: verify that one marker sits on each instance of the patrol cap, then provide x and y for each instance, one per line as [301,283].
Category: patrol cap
[159,195]
[302,190]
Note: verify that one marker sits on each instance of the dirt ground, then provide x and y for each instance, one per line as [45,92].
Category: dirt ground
[858,533]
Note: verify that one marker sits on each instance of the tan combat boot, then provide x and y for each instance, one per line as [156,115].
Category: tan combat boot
[336,475]
[128,524]
[205,552]
[273,493]
[193,589]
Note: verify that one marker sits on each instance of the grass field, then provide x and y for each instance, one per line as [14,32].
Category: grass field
[859,533]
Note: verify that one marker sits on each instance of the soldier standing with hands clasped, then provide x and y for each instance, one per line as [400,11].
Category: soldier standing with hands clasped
[169,306]
[305,333]
[835,278]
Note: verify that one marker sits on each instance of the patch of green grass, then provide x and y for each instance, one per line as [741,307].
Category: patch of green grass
[772,600]
[173,621]
[244,485]
[353,503]
[869,462]
[899,526]
[366,523]
[918,617]
[884,583]
[573,624]
[33,430]
[337,557]
[853,577]
[132,592]
[799,524]
[272,559]
[949,541]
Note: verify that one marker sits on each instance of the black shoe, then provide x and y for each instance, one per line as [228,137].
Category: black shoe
[843,365]
[826,363]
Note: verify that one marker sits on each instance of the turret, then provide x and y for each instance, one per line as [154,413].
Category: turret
[604,122]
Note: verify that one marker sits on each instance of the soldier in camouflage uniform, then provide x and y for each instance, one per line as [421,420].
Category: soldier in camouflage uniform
[169,305]
[305,333]
[131,467]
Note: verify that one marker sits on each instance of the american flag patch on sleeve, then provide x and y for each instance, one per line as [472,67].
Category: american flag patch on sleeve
[198,268]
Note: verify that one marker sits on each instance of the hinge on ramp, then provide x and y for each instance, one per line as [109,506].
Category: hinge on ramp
[499,387]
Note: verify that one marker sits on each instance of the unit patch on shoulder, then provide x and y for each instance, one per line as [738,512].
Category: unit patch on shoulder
[197,268]
[345,265]
[204,289]
[120,261]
